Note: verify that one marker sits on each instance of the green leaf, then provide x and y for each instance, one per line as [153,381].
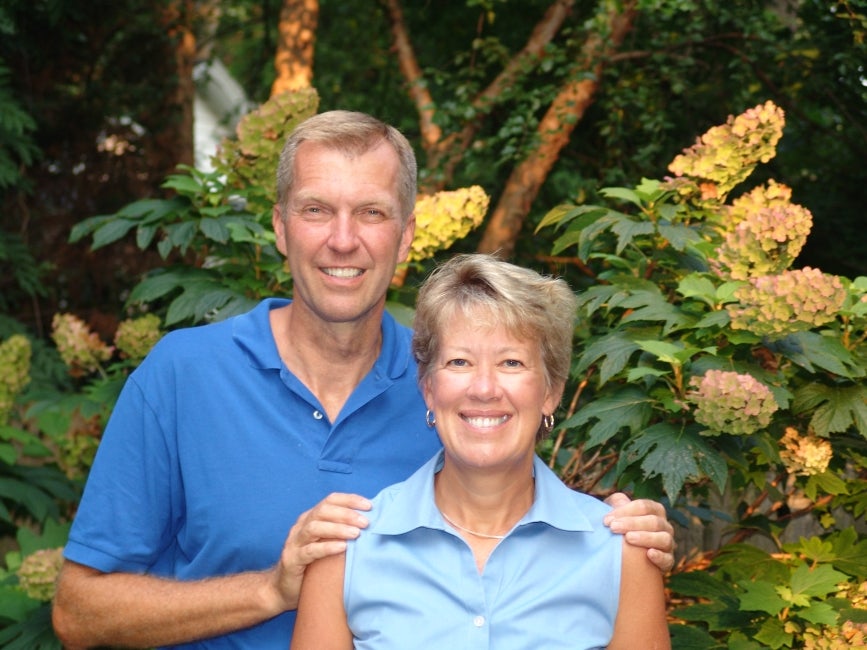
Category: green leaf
[679,235]
[811,350]
[773,634]
[563,214]
[674,353]
[817,582]
[761,596]
[837,408]
[624,193]
[628,408]
[820,614]
[214,229]
[696,285]
[628,229]
[111,232]
[614,350]
[677,456]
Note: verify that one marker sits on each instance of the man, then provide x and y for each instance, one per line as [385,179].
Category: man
[229,432]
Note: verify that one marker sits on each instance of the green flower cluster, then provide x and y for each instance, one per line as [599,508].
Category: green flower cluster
[135,337]
[727,154]
[38,573]
[14,372]
[445,217]
[769,234]
[730,402]
[81,350]
[793,301]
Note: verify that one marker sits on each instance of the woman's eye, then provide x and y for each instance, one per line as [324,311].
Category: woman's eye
[457,363]
[512,363]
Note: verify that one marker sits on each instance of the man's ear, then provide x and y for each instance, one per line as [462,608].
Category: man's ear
[279,226]
[406,238]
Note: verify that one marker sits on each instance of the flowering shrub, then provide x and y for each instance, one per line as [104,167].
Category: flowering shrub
[701,357]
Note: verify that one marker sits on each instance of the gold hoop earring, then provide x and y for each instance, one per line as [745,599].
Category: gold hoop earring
[430,419]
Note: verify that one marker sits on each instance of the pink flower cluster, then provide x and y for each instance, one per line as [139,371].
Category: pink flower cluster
[81,349]
[730,402]
[793,301]
[767,235]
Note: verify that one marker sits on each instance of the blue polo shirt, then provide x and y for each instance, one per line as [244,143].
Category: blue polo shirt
[554,582]
[214,449]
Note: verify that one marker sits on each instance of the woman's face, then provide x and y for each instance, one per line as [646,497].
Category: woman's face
[487,390]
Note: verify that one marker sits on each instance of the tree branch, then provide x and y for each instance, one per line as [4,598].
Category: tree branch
[554,131]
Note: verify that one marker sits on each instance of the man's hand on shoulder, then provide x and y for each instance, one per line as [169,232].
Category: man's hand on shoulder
[643,522]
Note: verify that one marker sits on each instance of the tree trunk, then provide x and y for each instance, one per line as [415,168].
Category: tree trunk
[554,131]
[294,59]
[177,142]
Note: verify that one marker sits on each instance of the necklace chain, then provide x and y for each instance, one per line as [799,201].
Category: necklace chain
[471,532]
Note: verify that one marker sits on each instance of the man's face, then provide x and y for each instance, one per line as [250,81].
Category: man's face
[342,232]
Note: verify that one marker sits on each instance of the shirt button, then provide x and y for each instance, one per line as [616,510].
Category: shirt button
[478,621]
[317,415]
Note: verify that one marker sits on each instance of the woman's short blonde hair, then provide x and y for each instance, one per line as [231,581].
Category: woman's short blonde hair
[531,307]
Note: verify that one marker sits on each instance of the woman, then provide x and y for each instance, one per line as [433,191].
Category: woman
[484,546]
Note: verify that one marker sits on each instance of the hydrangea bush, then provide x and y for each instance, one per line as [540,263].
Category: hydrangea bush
[715,374]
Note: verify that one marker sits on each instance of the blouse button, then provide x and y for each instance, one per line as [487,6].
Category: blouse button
[317,415]
[479,621]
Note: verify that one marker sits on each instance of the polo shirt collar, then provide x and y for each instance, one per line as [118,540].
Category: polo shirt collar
[413,505]
[252,333]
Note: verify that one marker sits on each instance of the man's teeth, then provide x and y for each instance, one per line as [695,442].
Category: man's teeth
[343,272]
[486,421]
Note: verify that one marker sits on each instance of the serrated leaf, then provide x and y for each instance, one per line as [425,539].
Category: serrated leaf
[661,311]
[837,408]
[700,584]
[629,408]
[678,235]
[811,350]
[820,614]
[563,214]
[215,230]
[773,634]
[667,352]
[614,350]
[628,229]
[676,456]
[817,582]
[761,596]
[696,285]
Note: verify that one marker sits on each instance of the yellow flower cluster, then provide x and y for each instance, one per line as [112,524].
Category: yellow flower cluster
[766,232]
[793,301]
[82,350]
[38,573]
[727,154]
[804,455]
[14,372]
[445,217]
[135,337]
